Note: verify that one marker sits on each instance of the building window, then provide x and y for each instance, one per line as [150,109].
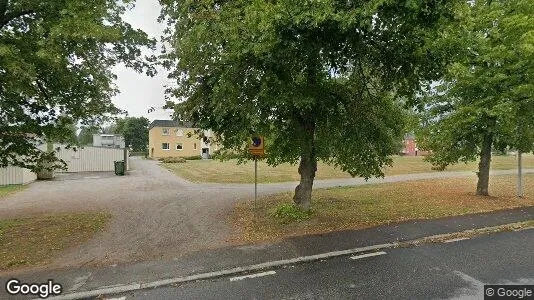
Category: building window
[195,146]
[165,131]
[165,146]
[179,132]
[179,147]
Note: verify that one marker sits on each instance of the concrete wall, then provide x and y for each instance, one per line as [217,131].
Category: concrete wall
[16,175]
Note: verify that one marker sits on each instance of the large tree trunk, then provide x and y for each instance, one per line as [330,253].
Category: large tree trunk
[307,169]
[484,166]
[303,191]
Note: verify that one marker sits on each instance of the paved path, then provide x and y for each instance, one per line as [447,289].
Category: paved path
[270,188]
[156,215]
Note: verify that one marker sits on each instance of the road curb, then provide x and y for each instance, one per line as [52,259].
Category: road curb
[211,275]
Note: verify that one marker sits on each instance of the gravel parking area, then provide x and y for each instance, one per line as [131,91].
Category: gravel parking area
[155,214]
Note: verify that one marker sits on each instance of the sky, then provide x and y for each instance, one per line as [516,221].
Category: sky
[139,92]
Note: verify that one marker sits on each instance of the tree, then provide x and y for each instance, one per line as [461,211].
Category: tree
[55,70]
[485,101]
[109,129]
[135,132]
[319,79]
[85,137]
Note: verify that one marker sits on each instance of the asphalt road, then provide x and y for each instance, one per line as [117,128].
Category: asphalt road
[456,270]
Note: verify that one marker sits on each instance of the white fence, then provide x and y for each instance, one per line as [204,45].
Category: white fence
[88,159]
[91,159]
[16,175]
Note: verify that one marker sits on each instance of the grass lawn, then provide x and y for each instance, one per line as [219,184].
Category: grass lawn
[371,205]
[230,172]
[37,240]
[8,189]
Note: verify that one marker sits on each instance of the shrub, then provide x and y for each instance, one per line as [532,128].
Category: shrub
[289,212]
[438,167]
[194,157]
[173,160]
[226,155]
[139,153]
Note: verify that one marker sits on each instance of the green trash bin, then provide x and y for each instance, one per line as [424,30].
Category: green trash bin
[119,167]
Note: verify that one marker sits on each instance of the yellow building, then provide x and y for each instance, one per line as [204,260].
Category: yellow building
[167,138]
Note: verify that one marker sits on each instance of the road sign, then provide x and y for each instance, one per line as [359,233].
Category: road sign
[256,147]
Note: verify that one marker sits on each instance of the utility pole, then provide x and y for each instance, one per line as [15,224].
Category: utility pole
[519,175]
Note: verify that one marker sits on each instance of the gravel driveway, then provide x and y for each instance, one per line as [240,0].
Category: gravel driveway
[155,214]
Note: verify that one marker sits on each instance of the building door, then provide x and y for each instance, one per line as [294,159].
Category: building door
[205,153]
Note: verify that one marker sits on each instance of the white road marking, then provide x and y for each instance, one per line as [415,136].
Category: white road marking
[456,240]
[121,288]
[252,275]
[368,255]
[121,298]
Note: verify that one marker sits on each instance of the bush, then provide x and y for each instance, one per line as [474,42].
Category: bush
[194,157]
[139,153]
[226,155]
[289,212]
[173,160]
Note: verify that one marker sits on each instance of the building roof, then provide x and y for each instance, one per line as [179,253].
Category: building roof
[170,123]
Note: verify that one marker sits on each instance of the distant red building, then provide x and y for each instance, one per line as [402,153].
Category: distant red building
[410,146]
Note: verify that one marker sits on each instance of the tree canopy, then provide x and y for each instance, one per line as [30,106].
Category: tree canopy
[135,132]
[56,58]
[486,100]
[319,79]
[85,136]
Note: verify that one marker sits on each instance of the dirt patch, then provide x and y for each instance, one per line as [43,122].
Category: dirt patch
[361,207]
[37,240]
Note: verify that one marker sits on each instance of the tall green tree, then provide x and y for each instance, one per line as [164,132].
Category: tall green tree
[85,137]
[486,99]
[135,132]
[56,58]
[317,78]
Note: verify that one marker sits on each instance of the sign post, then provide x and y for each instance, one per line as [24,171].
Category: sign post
[519,175]
[255,180]
[257,149]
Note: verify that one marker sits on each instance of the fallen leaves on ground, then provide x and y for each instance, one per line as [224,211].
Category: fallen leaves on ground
[346,208]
